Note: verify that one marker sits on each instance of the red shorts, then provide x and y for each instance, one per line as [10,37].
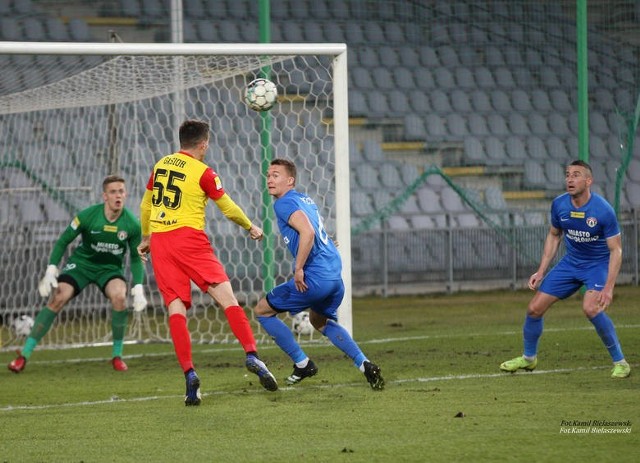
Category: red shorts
[181,256]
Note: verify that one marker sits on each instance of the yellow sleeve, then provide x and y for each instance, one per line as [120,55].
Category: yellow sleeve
[232,211]
[145,212]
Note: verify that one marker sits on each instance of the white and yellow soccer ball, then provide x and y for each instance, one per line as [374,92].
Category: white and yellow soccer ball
[301,324]
[21,326]
[261,94]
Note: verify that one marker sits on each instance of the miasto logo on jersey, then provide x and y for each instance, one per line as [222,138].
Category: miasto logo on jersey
[592,222]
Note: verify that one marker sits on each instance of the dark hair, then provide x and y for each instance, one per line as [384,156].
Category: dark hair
[290,166]
[583,164]
[111,179]
[193,132]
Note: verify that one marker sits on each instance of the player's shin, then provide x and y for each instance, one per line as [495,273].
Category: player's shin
[283,337]
[181,340]
[607,332]
[341,338]
[119,321]
[41,326]
[531,332]
[239,324]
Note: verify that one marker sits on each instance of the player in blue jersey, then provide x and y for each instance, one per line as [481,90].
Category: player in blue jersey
[593,258]
[316,283]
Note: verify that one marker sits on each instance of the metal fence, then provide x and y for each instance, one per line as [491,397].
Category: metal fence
[386,261]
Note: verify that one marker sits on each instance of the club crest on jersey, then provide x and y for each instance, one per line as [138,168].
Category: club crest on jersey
[122,235]
[592,221]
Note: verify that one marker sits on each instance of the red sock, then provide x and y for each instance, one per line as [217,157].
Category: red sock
[181,340]
[240,326]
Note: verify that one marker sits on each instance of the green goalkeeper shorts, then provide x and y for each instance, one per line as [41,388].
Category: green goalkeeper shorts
[84,275]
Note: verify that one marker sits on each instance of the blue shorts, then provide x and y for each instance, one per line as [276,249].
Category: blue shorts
[566,278]
[323,297]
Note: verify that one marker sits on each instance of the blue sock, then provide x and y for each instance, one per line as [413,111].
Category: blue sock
[283,337]
[343,341]
[607,332]
[531,332]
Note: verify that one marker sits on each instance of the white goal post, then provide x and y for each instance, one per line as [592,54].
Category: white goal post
[72,113]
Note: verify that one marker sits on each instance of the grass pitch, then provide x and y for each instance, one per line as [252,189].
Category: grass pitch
[445,398]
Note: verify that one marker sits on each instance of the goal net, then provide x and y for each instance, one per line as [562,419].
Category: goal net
[71,114]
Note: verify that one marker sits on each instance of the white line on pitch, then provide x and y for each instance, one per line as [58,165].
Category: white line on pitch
[115,400]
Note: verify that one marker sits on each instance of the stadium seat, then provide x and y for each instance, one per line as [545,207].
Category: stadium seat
[410,206]
[464,78]
[378,104]
[460,101]
[474,151]
[478,125]
[398,103]
[420,102]
[435,127]
[494,148]
[444,78]
[403,78]
[394,33]
[500,101]
[428,57]
[409,57]
[423,78]
[534,176]
[560,100]
[558,124]
[414,128]
[456,125]
[361,205]
[440,101]
[497,125]
[484,78]
[10,30]
[428,200]
[382,78]
[372,150]
[451,201]
[504,78]
[515,150]
[408,173]
[554,172]
[538,124]
[540,100]
[518,124]
[373,33]
[397,222]
[521,100]
[355,34]
[334,33]
[79,30]
[390,176]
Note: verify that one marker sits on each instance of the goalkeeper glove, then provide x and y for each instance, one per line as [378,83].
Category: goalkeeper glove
[49,280]
[139,301]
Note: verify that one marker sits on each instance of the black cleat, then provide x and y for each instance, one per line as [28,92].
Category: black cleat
[374,375]
[301,373]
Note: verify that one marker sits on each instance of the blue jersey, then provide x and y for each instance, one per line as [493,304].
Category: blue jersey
[586,229]
[324,261]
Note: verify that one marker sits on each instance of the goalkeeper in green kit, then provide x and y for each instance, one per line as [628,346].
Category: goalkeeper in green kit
[108,231]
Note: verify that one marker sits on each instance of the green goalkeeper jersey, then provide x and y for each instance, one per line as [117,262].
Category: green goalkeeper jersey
[104,244]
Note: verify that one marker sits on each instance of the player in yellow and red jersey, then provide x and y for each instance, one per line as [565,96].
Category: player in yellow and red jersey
[172,216]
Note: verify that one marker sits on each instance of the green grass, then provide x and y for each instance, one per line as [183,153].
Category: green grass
[439,355]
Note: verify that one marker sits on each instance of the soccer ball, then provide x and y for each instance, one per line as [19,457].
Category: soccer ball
[261,94]
[301,324]
[22,325]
